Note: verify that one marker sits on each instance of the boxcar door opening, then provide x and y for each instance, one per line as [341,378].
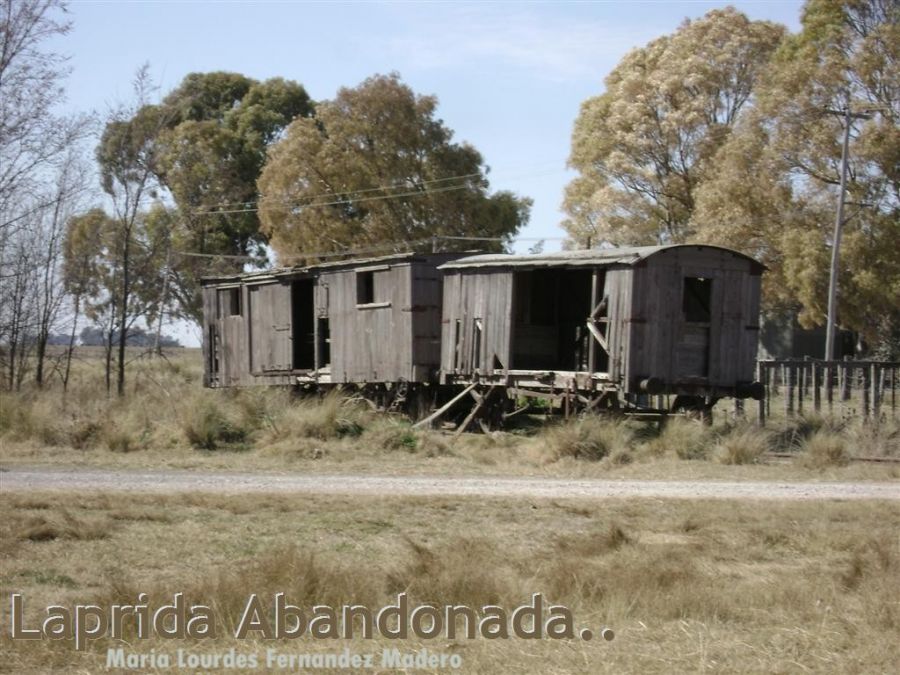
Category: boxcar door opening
[303,334]
[549,331]
[692,350]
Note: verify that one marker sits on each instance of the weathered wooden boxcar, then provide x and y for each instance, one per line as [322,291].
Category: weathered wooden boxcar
[361,321]
[607,325]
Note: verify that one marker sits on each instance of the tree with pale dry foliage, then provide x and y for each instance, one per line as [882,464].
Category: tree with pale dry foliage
[644,145]
[774,186]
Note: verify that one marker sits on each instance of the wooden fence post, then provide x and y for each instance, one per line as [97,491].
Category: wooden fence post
[790,379]
[873,382]
[817,393]
[875,378]
[866,391]
[893,392]
[762,376]
[847,371]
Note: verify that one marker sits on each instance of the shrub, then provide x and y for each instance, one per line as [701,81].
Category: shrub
[590,437]
[207,426]
[333,416]
[391,435]
[687,439]
[742,446]
[824,449]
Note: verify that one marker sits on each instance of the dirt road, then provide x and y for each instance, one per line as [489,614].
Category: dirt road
[97,480]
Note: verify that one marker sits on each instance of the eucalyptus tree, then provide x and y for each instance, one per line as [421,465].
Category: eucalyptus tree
[645,144]
[375,167]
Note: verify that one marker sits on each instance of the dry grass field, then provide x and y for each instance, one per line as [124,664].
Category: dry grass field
[168,420]
[686,586]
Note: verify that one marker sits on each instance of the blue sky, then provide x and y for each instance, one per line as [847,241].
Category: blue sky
[509,76]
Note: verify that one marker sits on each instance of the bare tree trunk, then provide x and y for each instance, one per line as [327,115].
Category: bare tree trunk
[164,296]
[123,322]
[71,348]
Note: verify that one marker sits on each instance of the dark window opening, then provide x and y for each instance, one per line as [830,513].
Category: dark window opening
[476,343]
[365,288]
[323,344]
[696,302]
[457,344]
[213,350]
[234,302]
[303,324]
[551,313]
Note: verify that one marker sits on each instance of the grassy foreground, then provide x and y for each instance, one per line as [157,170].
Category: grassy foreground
[168,420]
[687,587]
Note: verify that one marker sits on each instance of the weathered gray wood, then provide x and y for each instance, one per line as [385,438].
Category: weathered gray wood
[592,348]
[762,376]
[866,392]
[444,408]
[817,388]
[789,380]
[479,404]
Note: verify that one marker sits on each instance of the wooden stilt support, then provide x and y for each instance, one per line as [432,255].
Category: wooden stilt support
[437,414]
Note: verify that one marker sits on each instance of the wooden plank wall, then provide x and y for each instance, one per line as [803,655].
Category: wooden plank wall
[486,296]
[370,343]
[662,339]
[248,340]
[427,301]
[234,363]
[269,314]
[619,287]
[210,327]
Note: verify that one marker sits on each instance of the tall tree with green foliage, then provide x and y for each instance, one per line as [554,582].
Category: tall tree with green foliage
[644,145]
[773,188]
[208,148]
[375,168]
[96,268]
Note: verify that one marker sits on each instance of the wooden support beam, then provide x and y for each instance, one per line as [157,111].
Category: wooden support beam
[598,336]
[444,408]
[466,422]
[530,393]
[599,307]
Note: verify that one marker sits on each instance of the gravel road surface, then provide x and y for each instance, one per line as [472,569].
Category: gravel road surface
[21,479]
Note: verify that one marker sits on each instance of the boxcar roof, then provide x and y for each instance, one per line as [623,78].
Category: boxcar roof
[299,270]
[625,255]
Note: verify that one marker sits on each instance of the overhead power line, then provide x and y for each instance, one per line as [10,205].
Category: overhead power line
[415,193]
[251,206]
[337,193]
[398,246]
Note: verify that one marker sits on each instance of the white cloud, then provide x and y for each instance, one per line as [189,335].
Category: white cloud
[553,47]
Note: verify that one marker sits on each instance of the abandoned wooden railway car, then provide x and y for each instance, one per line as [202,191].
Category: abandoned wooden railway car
[679,319]
[602,326]
[361,321]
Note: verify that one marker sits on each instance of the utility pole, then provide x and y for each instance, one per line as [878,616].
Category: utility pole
[848,116]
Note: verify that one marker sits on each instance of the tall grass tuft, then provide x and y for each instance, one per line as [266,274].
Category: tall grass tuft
[332,416]
[207,425]
[742,446]
[686,439]
[466,570]
[589,437]
[824,449]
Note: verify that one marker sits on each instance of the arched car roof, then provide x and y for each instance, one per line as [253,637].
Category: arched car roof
[625,255]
